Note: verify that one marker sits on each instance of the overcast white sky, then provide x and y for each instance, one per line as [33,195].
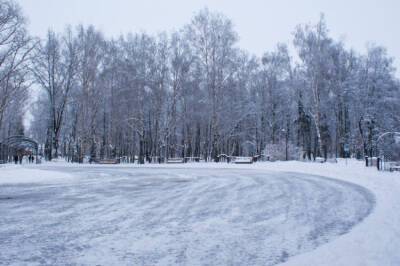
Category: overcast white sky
[260,23]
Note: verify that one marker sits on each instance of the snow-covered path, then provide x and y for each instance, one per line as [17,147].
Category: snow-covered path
[173,216]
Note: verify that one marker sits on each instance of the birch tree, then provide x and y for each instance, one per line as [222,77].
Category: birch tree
[15,53]
[54,69]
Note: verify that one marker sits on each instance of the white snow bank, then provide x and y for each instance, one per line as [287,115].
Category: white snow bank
[375,241]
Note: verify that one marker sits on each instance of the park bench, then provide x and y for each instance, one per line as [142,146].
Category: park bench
[243,160]
[175,160]
[108,161]
[394,167]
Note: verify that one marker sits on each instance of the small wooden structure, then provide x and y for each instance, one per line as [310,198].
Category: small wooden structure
[223,158]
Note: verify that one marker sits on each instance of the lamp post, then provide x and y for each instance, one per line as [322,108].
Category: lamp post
[346,151]
[286,144]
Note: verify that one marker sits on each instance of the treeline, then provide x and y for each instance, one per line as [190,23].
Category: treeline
[194,93]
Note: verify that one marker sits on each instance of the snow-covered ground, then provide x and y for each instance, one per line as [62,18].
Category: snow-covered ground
[199,214]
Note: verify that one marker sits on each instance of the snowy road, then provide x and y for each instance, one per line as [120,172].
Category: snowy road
[167,216]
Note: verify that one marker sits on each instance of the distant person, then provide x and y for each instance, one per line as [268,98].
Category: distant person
[16,159]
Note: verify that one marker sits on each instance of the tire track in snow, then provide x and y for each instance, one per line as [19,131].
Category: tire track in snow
[176,217]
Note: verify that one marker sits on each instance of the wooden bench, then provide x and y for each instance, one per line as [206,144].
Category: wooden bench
[243,160]
[108,161]
[394,168]
[175,160]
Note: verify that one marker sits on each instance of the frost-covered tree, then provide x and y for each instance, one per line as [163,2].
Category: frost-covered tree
[213,40]
[15,54]
[54,68]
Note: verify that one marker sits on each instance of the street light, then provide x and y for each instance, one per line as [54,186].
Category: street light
[286,143]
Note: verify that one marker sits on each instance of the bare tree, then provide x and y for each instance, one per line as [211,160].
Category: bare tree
[213,40]
[54,69]
[15,51]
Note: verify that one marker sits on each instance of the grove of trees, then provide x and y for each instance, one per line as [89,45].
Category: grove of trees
[193,92]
